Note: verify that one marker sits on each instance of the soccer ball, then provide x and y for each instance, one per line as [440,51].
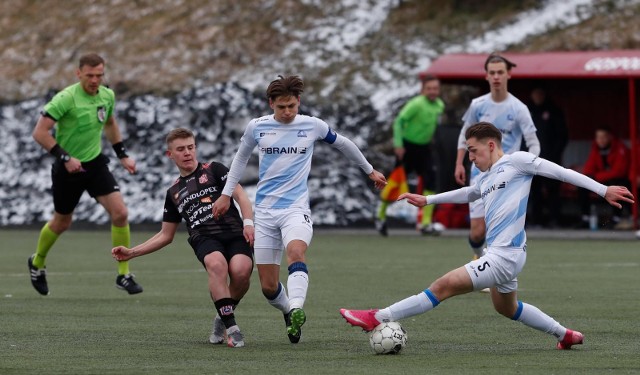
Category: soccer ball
[388,338]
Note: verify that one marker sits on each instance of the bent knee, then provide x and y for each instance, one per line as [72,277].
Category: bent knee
[119,216]
[241,275]
[215,265]
[60,224]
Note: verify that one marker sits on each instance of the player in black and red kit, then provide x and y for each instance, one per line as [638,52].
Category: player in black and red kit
[223,245]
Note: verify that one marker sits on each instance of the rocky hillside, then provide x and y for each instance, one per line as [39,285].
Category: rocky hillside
[205,64]
[343,48]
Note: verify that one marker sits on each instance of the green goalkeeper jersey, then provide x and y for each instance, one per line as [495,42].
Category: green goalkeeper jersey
[80,119]
[417,121]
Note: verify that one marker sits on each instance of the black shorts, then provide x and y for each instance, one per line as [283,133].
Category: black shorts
[418,159]
[67,188]
[228,244]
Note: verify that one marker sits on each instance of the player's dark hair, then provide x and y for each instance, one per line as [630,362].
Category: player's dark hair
[429,78]
[496,58]
[91,59]
[285,87]
[482,131]
[179,133]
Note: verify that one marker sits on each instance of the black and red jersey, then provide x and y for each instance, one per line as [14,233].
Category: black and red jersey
[191,198]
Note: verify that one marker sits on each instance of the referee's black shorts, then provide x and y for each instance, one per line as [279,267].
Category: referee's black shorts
[67,188]
[419,159]
[228,244]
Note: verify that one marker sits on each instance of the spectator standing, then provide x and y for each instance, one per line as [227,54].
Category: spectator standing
[552,132]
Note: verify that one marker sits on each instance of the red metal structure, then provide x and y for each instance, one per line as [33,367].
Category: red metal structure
[593,88]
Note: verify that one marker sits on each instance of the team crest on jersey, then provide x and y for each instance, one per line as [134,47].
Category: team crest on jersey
[302,134]
[203,179]
[102,113]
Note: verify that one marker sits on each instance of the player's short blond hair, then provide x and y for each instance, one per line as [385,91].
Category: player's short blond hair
[179,133]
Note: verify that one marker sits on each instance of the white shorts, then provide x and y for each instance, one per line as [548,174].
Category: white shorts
[275,228]
[498,267]
[476,208]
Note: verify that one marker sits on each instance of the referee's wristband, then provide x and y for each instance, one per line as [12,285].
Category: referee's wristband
[121,152]
[59,153]
[247,222]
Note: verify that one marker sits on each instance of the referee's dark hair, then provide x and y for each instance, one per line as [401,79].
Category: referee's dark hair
[91,59]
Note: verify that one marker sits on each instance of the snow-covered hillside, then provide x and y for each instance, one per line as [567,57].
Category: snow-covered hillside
[208,72]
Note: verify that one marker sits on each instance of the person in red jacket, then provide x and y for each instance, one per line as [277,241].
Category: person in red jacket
[608,163]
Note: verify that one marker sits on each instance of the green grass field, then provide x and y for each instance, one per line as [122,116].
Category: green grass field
[87,325]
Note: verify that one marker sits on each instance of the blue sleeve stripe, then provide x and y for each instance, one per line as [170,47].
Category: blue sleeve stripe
[432,297]
[330,137]
[516,316]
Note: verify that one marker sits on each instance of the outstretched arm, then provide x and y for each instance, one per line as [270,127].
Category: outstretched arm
[612,194]
[463,195]
[157,242]
[353,153]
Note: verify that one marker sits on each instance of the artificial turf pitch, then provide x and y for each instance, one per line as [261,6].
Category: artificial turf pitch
[86,325]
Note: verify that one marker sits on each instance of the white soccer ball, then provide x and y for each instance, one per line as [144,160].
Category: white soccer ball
[388,338]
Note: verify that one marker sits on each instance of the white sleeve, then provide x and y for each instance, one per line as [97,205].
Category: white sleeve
[468,119]
[463,195]
[533,144]
[247,144]
[552,170]
[352,152]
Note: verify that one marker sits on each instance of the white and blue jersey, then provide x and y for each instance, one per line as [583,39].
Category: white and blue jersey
[510,116]
[504,192]
[285,152]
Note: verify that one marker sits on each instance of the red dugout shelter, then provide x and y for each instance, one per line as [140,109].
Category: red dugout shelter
[593,88]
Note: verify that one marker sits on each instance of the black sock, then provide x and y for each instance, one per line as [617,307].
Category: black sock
[225,307]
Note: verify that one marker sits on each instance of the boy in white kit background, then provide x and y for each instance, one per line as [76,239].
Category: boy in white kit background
[285,142]
[503,189]
[514,121]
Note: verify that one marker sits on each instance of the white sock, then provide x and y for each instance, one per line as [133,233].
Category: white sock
[414,305]
[281,300]
[298,284]
[533,317]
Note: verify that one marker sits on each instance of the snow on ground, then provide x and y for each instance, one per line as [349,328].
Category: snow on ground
[340,193]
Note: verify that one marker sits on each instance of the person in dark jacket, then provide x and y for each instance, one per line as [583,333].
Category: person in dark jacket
[553,135]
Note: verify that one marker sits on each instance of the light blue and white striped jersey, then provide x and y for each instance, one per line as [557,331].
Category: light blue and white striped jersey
[504,190]
[510,116]
[285,152]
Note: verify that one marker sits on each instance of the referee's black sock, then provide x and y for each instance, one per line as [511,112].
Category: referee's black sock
[225,310]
